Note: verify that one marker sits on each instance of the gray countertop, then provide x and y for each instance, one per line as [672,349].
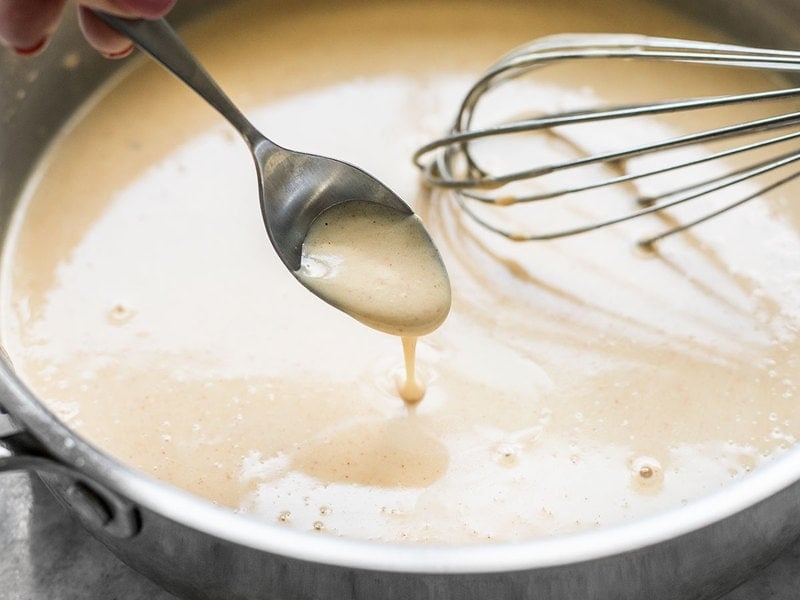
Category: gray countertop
[45,555]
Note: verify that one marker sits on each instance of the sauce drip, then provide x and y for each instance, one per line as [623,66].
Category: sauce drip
[379,266]
[410,389]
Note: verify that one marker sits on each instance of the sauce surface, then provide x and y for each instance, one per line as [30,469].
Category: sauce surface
[575,384]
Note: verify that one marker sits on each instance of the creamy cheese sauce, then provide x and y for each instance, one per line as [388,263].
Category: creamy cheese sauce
[574,384]
[379,266]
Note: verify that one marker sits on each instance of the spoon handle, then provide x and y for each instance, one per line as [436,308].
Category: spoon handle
[160,41]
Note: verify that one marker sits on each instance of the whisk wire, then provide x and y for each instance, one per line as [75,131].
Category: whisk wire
[628,177]
[449,162]
[489,181]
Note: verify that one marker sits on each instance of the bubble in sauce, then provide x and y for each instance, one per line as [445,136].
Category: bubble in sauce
[506,455]
[119,314]
[319,266]
[647,474]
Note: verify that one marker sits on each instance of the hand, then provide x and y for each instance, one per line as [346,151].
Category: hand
[26,25]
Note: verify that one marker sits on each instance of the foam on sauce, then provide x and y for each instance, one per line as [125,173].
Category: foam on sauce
[574,384]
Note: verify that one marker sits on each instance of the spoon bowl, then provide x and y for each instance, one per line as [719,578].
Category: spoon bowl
[299,187]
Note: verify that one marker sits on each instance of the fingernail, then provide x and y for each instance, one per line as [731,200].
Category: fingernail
[35,49]
[120,54]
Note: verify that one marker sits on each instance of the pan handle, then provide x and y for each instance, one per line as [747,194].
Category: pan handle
[8,426]
[98,507]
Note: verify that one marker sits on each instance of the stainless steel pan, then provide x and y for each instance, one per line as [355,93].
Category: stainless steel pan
[200,551]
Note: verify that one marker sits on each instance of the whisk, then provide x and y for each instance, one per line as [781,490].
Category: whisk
[455,162]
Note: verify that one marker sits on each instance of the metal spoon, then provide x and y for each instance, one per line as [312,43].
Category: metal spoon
[294,187]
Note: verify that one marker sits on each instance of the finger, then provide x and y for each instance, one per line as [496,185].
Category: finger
[145,9]
[26,25]
[105,39]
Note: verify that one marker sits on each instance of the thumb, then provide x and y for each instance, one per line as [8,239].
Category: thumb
[26,25]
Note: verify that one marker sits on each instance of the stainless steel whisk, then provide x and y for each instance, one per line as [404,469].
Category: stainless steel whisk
[450,162]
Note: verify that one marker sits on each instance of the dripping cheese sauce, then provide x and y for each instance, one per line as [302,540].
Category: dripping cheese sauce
[378,265]
[575,384]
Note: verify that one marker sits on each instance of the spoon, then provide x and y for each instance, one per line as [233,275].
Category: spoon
[295,188]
